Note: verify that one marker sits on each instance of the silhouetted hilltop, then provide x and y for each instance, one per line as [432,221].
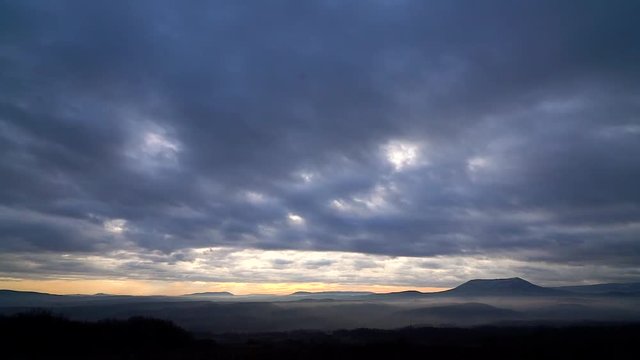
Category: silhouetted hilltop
[501,287]
[401,294]
[26,298]
[18,292]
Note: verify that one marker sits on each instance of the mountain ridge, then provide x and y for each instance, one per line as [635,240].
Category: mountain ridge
[515,286]
[474,287]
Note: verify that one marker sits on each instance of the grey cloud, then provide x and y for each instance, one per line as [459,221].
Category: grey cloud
[315,264]
[165,114]
[281,263]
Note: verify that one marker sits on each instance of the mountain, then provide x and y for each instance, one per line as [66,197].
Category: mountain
[604,289]
[500,287]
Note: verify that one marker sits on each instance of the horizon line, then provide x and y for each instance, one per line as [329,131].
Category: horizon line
[130,287]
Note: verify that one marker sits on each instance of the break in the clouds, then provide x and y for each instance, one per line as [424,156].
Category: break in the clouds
[432,131]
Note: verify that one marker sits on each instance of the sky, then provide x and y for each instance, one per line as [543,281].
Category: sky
[267,146]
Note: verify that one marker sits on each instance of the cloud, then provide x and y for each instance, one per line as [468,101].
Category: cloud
[502,130]
[222,266]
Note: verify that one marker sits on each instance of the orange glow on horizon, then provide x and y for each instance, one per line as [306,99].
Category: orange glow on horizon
[155,287]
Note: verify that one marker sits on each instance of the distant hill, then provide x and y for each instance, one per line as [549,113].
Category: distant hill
[604,289]
[332,293]
[402,294]
[500,287]
[24,293]
[328,295]
[211,293]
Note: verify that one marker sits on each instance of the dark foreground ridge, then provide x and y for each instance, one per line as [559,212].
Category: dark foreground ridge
[40,335]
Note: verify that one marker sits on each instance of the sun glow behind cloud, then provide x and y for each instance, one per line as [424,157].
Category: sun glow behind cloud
[295,219]
[402,154]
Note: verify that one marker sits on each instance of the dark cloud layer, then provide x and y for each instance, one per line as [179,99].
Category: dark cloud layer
[164,126]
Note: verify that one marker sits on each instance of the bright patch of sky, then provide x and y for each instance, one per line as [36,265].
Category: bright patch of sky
[402,154]
[115,226]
